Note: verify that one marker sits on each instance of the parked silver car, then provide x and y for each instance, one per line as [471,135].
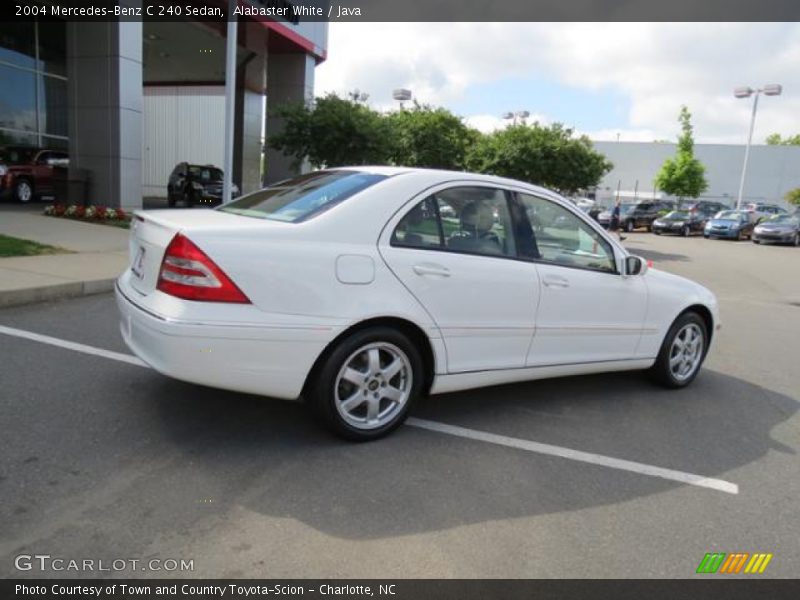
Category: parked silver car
[780,229]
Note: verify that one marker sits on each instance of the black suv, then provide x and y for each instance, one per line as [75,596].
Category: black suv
[642,214]
[196,184]
[704,208]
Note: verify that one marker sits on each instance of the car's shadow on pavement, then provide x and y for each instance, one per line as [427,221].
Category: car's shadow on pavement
[657,256]
[267,456]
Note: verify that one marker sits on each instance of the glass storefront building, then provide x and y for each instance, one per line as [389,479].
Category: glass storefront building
[79,86]
[33,94]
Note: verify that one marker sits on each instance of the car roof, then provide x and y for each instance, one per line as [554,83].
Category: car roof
[443,176]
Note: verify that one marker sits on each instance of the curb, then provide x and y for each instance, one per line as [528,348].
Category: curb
[58,291]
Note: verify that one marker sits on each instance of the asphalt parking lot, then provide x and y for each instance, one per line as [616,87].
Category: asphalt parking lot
[104,459]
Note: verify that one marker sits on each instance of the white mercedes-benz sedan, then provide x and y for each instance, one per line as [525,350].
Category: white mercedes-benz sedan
[360,289]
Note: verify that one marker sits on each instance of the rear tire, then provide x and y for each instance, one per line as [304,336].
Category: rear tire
[685,231]
[682,352]
[364,388]
[629,226]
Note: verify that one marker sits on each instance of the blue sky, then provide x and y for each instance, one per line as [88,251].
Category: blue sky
[587,110]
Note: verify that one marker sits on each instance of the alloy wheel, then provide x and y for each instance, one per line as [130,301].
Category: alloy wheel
[24,191]
[686,351]
[373,385]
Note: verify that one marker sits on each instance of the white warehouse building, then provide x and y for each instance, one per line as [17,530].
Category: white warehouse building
[772,170]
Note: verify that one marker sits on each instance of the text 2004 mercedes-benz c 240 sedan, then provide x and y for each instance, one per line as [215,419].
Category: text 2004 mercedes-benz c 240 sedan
[360,289]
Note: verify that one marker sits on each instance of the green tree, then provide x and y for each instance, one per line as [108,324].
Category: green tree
[683,175]
[550,156]
[793,196]
[333,132]
[430,137]
[775,139]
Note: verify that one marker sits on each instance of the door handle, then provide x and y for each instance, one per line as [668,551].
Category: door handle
[555,281]
[431,270]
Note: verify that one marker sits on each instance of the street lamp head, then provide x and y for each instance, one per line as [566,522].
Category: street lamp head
[773,89]
[508,115]
[743,92]
[524,114]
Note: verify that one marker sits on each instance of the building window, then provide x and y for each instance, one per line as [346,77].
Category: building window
[33,84]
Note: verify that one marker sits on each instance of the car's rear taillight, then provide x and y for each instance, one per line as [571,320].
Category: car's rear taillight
[188,273]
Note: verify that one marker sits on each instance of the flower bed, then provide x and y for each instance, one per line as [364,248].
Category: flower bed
[93,214]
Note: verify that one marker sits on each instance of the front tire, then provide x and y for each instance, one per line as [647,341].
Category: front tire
[629,226]
[365,387]
[682,352]
[23,191]
[685,231]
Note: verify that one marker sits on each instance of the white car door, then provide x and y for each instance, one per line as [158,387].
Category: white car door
[588,312]
[455,252]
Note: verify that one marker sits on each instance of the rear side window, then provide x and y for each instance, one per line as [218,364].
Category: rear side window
[468,220]
[303,197]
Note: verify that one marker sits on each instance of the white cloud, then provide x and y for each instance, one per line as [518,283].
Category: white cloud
[657,66]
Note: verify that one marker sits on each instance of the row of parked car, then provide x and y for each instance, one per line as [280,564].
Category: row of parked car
[757,221]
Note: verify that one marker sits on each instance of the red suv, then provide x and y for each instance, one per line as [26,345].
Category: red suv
[27,172]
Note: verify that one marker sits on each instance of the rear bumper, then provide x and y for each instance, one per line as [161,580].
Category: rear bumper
[252,358]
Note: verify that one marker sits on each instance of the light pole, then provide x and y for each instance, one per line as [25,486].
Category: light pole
[513,116]
[772,89]
[401,95]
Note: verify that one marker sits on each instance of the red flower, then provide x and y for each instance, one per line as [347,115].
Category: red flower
[80,211]
[121,214]
[59,210]
[100,212]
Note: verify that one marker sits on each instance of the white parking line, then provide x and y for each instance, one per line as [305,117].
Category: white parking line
[473,434]
[46,339]
[587,457]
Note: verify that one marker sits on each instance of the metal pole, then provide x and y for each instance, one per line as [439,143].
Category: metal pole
[747,151]
[230,99]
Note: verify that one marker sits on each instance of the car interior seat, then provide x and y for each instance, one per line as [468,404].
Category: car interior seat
[475,233]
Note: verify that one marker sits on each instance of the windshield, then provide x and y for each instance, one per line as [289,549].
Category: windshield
[624,209]
[788,219]
[16,156]
[298,199]
[731,215]
[205,174]
[677,215]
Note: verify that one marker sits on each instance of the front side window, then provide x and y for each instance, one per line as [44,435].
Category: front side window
[561,238]
[303,197]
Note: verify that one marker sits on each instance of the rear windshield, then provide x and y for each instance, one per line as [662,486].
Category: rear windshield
[301,198]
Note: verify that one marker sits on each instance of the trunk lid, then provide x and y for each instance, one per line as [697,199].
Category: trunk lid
[152,231]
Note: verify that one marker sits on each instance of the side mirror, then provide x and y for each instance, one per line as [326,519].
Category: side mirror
[635,265]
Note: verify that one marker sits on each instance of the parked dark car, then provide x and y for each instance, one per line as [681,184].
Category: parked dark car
[196,184]
[633,215]
[681,222]
[706,208]
[780,229]
[27,172]
[730,224]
